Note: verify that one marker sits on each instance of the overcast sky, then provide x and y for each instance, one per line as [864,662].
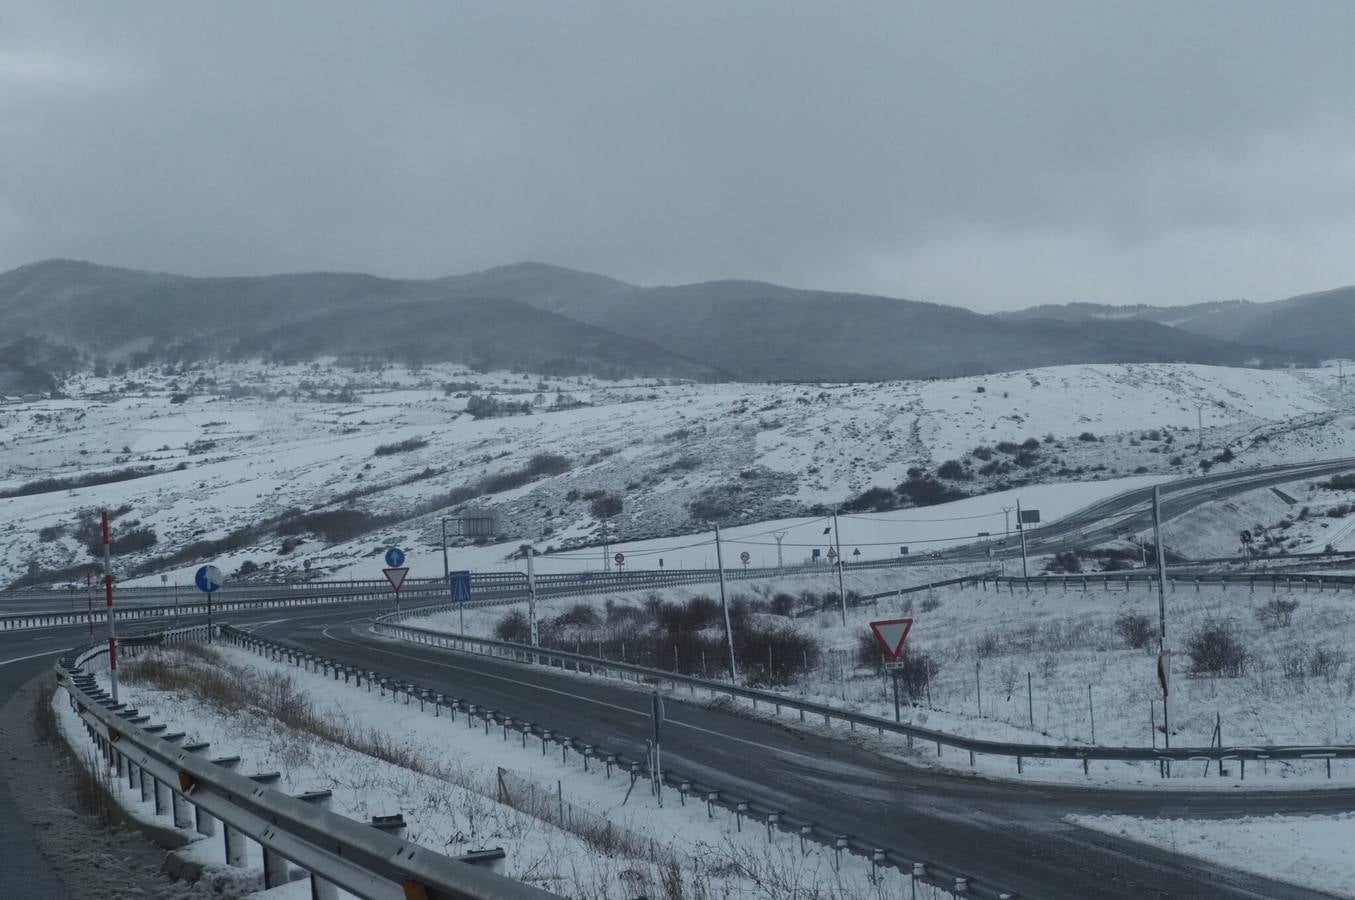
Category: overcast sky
[986,154]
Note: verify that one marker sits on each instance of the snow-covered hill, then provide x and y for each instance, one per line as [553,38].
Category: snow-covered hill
[246,455]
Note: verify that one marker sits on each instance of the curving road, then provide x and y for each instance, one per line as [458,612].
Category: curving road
[1011,835]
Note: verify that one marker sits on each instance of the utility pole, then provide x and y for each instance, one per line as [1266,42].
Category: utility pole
[606,555]
[1199,423]
[841,590]
[1006,520]
[779,535]
[729,630]
[446,570]
[108,594]
[1021,529]
[1161,571]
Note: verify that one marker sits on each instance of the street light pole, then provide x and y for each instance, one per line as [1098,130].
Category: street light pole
[1025,572]
[108,593]
[729,630]
[1161,571]
[531,594]
[841,590]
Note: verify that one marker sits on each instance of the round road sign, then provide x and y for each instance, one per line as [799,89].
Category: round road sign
[745,556]
[208,579]
[395,557]
[620,559]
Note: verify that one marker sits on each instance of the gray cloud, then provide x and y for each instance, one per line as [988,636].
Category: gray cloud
[990,155]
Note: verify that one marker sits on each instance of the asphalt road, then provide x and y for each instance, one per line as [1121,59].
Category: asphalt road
[1132,511]
[1009,834]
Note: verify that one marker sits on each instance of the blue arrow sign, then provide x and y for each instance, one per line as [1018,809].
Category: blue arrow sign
[395,557]
[459,584]
[208,579]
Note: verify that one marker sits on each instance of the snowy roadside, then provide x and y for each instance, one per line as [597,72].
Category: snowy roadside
[1056,667]
[453,777]
[1309,851]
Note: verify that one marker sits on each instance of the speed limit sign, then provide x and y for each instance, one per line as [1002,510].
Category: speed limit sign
[745,556]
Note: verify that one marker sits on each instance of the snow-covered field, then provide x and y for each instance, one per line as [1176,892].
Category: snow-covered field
[1046,666]
[1311,851]
[449,794]
[240,444]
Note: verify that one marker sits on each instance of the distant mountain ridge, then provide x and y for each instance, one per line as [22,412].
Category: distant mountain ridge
[1317,325]
[542,318]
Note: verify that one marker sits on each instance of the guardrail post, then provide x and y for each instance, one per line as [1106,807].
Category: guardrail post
[320,889]
[203,823]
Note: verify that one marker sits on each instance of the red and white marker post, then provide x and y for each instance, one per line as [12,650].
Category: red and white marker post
[108,594]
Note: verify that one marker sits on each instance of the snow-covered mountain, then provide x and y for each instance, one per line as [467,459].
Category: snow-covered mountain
[304,469]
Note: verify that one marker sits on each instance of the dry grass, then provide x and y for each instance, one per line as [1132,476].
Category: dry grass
[93,783]
[44,717]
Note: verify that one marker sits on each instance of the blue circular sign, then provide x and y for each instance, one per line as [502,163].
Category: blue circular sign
[395,557]
[208,579]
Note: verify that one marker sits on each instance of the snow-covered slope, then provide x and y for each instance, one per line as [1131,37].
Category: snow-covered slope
[239,445]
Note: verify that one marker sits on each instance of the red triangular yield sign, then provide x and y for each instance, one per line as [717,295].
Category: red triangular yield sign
[396,576]
[891,634]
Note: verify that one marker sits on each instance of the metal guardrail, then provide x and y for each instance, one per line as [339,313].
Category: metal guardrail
[493,587]
[1106,580]
[337,852]
[954,883]
[392,626]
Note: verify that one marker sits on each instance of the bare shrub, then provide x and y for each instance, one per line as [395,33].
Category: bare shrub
[930,603]
[1007,679]
[1215,650]
[1325,663]
[1278,612]
[513,627]
[987,644]
[917,671]
[1136,630]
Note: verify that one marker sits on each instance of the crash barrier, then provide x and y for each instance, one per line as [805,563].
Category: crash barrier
[201,793]
[594,757]
[392,625]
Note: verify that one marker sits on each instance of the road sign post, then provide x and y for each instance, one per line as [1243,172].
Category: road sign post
[209,580]
[620,560]
[891,633]
[458,584]
[744,557]
[1024,518]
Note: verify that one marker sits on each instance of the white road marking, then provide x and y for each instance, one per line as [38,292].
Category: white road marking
[5,662]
